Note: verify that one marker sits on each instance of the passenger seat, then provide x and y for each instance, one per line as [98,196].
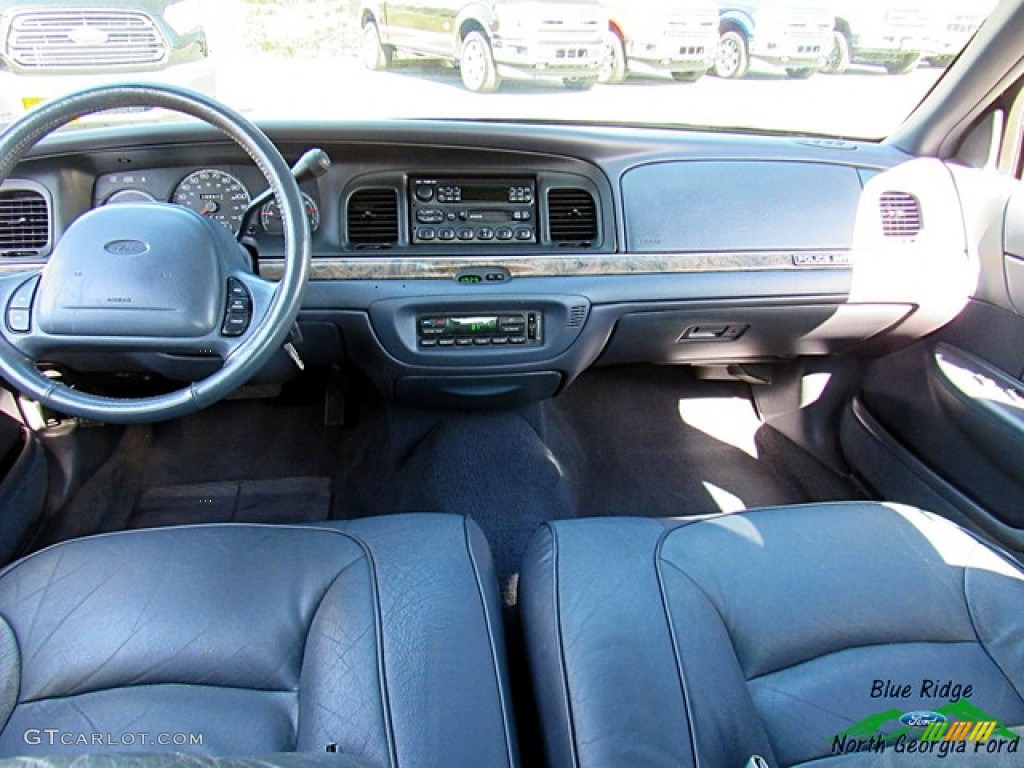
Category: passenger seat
[793,634]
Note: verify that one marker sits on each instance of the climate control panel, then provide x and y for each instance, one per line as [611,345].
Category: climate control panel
[520,328]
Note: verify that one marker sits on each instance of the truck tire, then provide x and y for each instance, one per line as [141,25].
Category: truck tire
[839,59]
[374,55]
[579,83]
[614,68]
[732,59]
[903,65]
[476,64]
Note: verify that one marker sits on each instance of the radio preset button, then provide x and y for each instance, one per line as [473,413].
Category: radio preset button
[499,340]
[428,342]
[446,341]
[524,233]
[446,233]
[516,339]
[465,233]
[504,233]
[485,233]
[481,341]
[425,233]
[464,341]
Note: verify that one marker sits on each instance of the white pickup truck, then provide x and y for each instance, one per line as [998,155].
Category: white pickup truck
[491,40]
[679,37]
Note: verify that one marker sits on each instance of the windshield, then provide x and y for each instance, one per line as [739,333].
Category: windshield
[851,68]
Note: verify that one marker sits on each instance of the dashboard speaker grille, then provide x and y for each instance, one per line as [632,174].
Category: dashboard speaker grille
[901,214]
[373,217]
[577,314]
[24,223]
[572,216]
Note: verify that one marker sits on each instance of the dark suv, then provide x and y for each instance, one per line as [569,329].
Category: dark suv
[49,49]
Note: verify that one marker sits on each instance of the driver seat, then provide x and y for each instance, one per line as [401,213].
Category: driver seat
[379,636]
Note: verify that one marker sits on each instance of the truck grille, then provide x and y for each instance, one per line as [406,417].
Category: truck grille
[907,18]
[556,30]
[84,39]
[682,23]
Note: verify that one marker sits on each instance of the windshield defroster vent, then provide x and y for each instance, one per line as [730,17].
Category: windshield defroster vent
[572,216]
[24,223]
[901,214]
[373,218]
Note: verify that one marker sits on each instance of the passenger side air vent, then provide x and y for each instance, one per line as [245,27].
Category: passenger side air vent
[572,217]
[901,214]
[24,223]
[373,218]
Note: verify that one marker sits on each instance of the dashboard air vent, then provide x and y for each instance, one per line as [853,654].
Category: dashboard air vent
[572,216]
[901,214]
[373,218]
[24,223]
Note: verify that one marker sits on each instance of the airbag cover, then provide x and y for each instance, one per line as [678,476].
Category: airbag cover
[133,270]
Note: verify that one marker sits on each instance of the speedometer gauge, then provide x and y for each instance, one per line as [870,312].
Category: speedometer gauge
[216,194]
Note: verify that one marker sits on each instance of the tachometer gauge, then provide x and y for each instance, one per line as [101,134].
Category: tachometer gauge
[270,215]
[216,194]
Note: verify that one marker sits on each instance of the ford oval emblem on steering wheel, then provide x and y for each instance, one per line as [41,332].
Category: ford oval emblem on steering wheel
[126,247]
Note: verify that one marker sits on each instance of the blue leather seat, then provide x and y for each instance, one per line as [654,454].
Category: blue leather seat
[380,636]
[780,633]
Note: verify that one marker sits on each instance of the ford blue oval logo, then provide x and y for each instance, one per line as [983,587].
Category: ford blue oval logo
[126,247]
[922,719]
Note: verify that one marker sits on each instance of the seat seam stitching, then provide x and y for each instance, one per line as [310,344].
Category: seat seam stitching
[667,616]
[505,715]
[977,634]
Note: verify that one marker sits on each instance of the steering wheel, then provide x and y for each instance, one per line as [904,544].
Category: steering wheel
[150,277]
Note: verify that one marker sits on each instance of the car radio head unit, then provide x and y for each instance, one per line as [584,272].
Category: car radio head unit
[456,210]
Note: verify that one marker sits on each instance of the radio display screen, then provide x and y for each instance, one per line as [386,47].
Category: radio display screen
[484,193]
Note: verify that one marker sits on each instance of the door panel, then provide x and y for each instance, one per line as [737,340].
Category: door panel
[954,403]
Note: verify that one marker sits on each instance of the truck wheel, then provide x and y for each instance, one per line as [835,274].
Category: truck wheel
[839,59]
[476,63]
[802,73]
[732,60]
[614,68]
[903,65]
[375,56]
[688,77]
[579,83]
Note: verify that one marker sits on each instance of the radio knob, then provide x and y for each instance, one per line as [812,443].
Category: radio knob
[424,192]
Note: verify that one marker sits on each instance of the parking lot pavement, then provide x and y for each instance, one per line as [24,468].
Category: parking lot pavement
[864,102]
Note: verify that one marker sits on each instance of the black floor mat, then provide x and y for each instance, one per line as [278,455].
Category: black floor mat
[284,500]
[635,441]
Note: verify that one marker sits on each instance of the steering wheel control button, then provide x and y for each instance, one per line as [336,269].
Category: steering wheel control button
[238,314]
[19,320]
[19,309]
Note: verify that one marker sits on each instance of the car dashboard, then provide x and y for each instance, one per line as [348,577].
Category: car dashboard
[489,264]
